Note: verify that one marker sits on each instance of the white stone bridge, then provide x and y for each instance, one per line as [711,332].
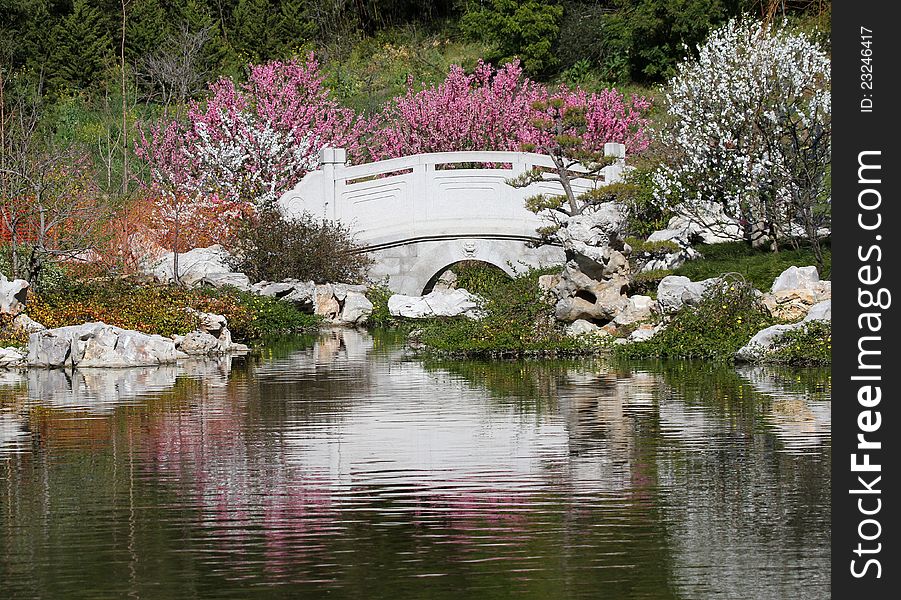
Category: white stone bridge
[418,215]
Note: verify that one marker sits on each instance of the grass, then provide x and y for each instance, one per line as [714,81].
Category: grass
[758,267]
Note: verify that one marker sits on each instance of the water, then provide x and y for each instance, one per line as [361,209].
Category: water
[340,467]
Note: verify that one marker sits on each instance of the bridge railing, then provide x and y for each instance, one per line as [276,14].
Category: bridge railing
[418,197]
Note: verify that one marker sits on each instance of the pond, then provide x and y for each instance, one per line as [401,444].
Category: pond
[340,465]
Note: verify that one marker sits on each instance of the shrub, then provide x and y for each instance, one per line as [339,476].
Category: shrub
[158,309]
[272,248]
[646,282]
[808,346]
[519,320]
[751,131]
[728,315]
[378,294]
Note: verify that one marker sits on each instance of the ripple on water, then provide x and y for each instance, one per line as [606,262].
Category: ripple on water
[342,465]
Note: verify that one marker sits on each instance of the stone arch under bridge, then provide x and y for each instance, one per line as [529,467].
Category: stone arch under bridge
[416,215]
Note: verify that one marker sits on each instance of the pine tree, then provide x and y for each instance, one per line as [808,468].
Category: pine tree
[294,26]
[254,29]
[81,48]
[147,26]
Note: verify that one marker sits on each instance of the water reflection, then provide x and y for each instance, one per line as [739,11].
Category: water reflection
[339,464]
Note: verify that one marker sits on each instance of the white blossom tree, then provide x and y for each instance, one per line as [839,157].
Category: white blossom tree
[750,133]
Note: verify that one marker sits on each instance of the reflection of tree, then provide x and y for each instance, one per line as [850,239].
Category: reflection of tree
[347,468]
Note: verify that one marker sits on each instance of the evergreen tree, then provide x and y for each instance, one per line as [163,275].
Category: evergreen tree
[254,25]
[81,48]
[147,25]
[294,27]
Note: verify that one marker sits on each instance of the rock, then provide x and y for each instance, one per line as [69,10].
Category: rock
[26,324]
[595,228]
[213,325]
[435,304]
[547,283]
[644,333]
[356,309]
[676,291]
[235,280]
[673,260]
[280,289]
[710,225]
[795,291]
[763,342]
[794,278]
[822,311]
[193,266]
[638,308]
[11,357]
[446,281]
[97,345]
[326,305]
[198,343]
[593,290]
[13,295]
[582,327]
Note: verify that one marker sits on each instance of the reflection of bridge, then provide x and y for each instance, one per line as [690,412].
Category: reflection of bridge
[419,214]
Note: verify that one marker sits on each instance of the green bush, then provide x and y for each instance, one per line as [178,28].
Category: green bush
[519,320]
[159,309]
[272,248]
[808,346]
[526,29]
[646,282]
[727,317]
[644,215]
[378,294]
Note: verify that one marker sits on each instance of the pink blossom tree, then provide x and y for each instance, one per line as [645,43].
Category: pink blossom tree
[495,110]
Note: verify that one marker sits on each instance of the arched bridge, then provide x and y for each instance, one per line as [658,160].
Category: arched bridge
[417,215]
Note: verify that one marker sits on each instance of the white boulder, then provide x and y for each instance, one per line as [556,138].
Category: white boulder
[11,357]
[764,342]
[638,308]
[193,266]
[13,295]
[676,291]
[822,311]
[97,345]
[435,304]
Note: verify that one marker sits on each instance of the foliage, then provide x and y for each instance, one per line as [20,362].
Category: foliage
[479,278]
[644,214]
[645,283]
[81,48]
[656,249]
[758,267]
[519,320]
[378,294]
[157,309]
[752,131]
[645,39]
[808,346]
[249,142]
[525,30]
[497,110]
[728,315]
[272,248]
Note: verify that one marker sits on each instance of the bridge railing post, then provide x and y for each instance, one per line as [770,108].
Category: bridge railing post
[332,161]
